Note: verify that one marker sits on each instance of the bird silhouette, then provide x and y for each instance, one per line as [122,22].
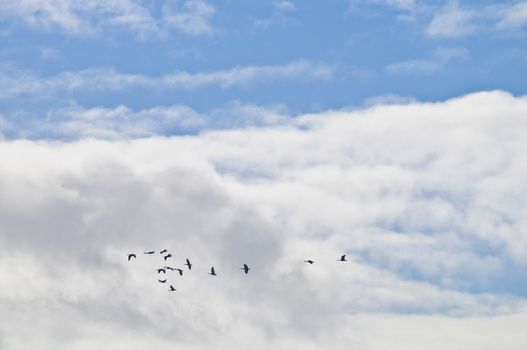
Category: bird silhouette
[167,256]
[169,268]
[162,281]
[161,270]
[343,258]
[309,261]
[212,272]
[189,264]
[150,252]
[130,256]
[172,289]
[163,251]
[180,271]
[245,268]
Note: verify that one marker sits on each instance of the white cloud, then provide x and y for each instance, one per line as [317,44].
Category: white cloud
[399,4]
[284,5]
[193,17]
[80,17]
[513,16]
[15,82]
[118,122]
[451,22]
[437,62]
[404,5]
[121,122]
[389,100]
[87,18]
[428,200]
[279,17]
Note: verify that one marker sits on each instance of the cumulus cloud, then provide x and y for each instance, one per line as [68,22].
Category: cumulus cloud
[427,200]
[15,82]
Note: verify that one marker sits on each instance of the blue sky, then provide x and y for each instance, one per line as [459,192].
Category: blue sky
[306,56]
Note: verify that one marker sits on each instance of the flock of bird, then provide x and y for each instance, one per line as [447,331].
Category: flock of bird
[188,264]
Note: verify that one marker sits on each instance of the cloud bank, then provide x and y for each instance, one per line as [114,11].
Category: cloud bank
[427,200]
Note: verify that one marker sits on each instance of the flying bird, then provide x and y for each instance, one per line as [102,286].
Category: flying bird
[180,271]
[162,281]
[167,256]
[343,258]
[245,268]
[212,272]
[150,252]
[189,264]
[169,268]
[309,261]
[161,270]
[172,289]
[130,256]
[163,251]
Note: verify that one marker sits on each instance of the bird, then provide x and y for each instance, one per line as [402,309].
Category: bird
[167,256]
[212,272]
[172,289]
[245,268]
[163,251]
[343,258]
[169,268]
[150,252]
[180,271]
[189,264]
[309,261]
[162,281]
[161,270]
[130,256]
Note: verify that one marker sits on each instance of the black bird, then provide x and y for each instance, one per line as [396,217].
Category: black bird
[343,258]
[245,268]
[161,270]
[189,264]
[163,251]
[169,268]
[212,272]
[172,289]
[309,261]
[162,281]
[130,256]
[180,271]
[150,252]
[167,256]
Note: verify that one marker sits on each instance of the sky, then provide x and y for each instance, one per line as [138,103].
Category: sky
[267,133]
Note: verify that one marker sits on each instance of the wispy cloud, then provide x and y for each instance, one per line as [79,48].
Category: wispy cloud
[15,82]
[279,16]
[399,4]
[451,21]
[111,123]
[193,17]
[513,16]
[122,122]
[437,62]
[88,18]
